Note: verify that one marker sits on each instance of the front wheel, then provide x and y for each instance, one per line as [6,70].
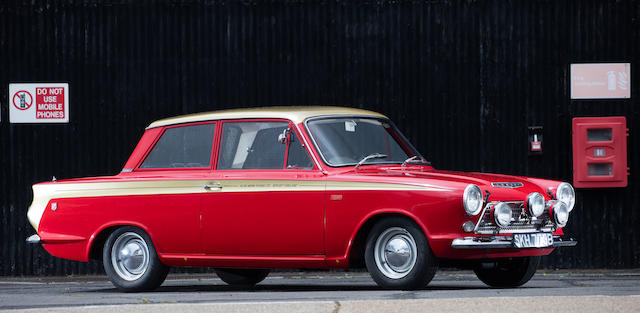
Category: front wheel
[507,272]
[242,277]
[398,255]
[131,262]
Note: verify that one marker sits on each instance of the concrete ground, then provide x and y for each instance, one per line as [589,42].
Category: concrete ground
[459,291]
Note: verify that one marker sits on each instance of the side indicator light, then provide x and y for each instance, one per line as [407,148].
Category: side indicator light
[54,206]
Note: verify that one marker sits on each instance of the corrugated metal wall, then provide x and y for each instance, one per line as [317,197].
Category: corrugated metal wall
[462,79]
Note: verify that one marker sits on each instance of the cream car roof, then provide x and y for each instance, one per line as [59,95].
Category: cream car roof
[296,114]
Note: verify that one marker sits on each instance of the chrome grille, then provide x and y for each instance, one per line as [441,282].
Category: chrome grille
[521,222]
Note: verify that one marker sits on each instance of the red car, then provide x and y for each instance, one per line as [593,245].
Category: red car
[245,191]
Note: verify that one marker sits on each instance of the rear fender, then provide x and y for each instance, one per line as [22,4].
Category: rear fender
[113,225]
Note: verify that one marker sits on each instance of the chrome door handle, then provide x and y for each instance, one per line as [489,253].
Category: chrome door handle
[210,187]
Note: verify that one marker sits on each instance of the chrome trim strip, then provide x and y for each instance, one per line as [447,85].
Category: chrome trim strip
[471,243]
[559,242]
[34,239]
[500,243]
[546,229]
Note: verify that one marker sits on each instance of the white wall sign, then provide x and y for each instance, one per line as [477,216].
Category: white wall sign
[600,80]
[39,103]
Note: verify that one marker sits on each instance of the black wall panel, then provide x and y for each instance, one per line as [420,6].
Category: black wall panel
[462,79]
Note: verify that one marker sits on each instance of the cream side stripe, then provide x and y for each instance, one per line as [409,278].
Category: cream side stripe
[346,185]
[197,186]
[44,193]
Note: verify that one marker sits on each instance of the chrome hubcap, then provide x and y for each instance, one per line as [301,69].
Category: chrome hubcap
[130,256]
[395,252]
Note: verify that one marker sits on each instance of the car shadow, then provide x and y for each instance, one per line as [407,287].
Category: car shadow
[296,288]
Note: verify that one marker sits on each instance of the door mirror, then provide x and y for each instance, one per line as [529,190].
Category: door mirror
[282,138]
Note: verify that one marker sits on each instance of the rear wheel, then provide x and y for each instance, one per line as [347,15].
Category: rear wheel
[398,255]
[131,262]
[507,272]
[242,277]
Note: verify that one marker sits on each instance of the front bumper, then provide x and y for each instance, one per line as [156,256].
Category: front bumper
[503,242]
[34,239]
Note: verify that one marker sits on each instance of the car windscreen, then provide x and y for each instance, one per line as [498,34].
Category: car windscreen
[347,141]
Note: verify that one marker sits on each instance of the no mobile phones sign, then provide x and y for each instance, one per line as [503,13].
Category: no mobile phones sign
[39,103]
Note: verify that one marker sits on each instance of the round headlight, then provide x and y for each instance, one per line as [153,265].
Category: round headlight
[560,213]
[502,214]
[472,199]
[535,204]
[566,194]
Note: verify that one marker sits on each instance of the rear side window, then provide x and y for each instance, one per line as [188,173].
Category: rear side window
[182,147]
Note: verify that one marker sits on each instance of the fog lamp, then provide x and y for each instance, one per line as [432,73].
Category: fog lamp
[502,214]
[535,204]
[560,213]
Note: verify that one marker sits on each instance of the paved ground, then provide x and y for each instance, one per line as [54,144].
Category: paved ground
[560,291]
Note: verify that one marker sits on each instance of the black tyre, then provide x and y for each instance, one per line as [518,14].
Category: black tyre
[131,262]
[242,277]
[398,255]
[507,272]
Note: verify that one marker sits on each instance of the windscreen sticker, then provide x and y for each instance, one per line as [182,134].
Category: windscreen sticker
[350,126]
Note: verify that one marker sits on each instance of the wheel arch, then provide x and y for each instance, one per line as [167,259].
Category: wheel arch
[98,238]
[357,244]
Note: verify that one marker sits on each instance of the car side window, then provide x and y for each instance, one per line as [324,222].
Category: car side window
[182,147]
[297,156]
[252,145]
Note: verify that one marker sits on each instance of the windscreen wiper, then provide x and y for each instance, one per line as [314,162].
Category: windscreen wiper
[414,158]
[371,156]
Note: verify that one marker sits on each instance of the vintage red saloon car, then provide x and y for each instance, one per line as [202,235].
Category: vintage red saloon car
[245,191]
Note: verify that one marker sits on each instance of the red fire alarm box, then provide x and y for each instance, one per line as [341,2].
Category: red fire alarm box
[600,152]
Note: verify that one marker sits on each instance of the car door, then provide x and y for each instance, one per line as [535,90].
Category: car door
[268,197]
[168,187]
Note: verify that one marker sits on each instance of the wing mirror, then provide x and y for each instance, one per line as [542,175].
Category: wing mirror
[282,138]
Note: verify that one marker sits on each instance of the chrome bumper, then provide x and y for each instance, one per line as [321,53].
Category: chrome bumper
[34,239]
[503,242]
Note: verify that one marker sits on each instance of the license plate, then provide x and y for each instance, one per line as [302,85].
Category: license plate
[535,240]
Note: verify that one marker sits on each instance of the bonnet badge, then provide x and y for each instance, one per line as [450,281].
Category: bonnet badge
[507,185]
